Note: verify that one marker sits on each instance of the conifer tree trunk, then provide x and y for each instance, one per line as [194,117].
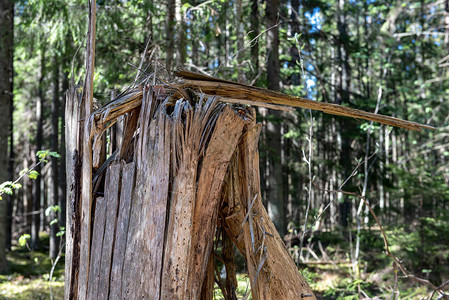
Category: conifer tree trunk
[54,184]
[35,223]
[342,96]
[254,19]
[170,25]
[6,102]
[274,194]
[62,163]
[182,32]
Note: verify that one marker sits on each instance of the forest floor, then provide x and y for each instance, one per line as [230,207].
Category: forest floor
[29,279]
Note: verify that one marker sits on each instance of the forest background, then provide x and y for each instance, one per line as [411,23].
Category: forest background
[389,57]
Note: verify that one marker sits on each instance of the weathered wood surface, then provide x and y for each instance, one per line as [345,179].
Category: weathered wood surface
[229,89]
[207,289]
[196,194]
[231,268]
[121,235]
[111,197]
[97,241]
[86,181]
[178,160]
[145,242]
[272,272]
[72,135]
[227,133]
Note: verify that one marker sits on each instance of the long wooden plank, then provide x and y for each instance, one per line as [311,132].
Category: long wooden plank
[112,186]
[97,241]
[115,291]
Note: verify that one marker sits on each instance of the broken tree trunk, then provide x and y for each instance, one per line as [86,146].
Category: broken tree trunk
[142,223]
[156,201]
[272,271]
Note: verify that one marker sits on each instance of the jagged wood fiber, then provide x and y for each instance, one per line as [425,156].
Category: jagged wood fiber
[181,160]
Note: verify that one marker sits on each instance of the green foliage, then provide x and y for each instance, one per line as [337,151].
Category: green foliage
[8,188]
[24,239]
[309,275]
[348,289]
[52,209]
[33,174]
[409,170]
[43,155]
[423,250]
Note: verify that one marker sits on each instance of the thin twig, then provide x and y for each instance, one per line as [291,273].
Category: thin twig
[439,289]
[246,46]
[395,268]
[353,173]
[387,248]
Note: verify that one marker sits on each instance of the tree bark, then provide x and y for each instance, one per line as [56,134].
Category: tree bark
[62,144]
[274,139]
[254,19]
[6,102]
[166,201]
[182,41]
[343,88]
[171,9]
[54,184]
[35,223]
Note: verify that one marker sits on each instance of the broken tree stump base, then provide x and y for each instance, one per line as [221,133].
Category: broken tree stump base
[181,166]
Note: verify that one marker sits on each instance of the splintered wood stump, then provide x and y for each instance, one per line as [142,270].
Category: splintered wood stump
[159,176]
[181,167]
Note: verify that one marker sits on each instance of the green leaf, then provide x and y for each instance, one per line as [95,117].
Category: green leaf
[52,208]
[23,239]
[42,155]
[33,174]
[53,221]
[54,154]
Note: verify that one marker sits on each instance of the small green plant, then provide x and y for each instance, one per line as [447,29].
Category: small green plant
[23,239]
[8,187]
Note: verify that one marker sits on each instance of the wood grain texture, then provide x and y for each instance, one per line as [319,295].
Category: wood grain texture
[224,139]
[72,111]
[112,186]
[97,241]
[145,238]
[207,289]
[86,185]
[127,187]
[272,272]
[224,88]
[182,201]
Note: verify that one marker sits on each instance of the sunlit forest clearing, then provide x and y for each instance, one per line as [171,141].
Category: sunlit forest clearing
[218,149]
